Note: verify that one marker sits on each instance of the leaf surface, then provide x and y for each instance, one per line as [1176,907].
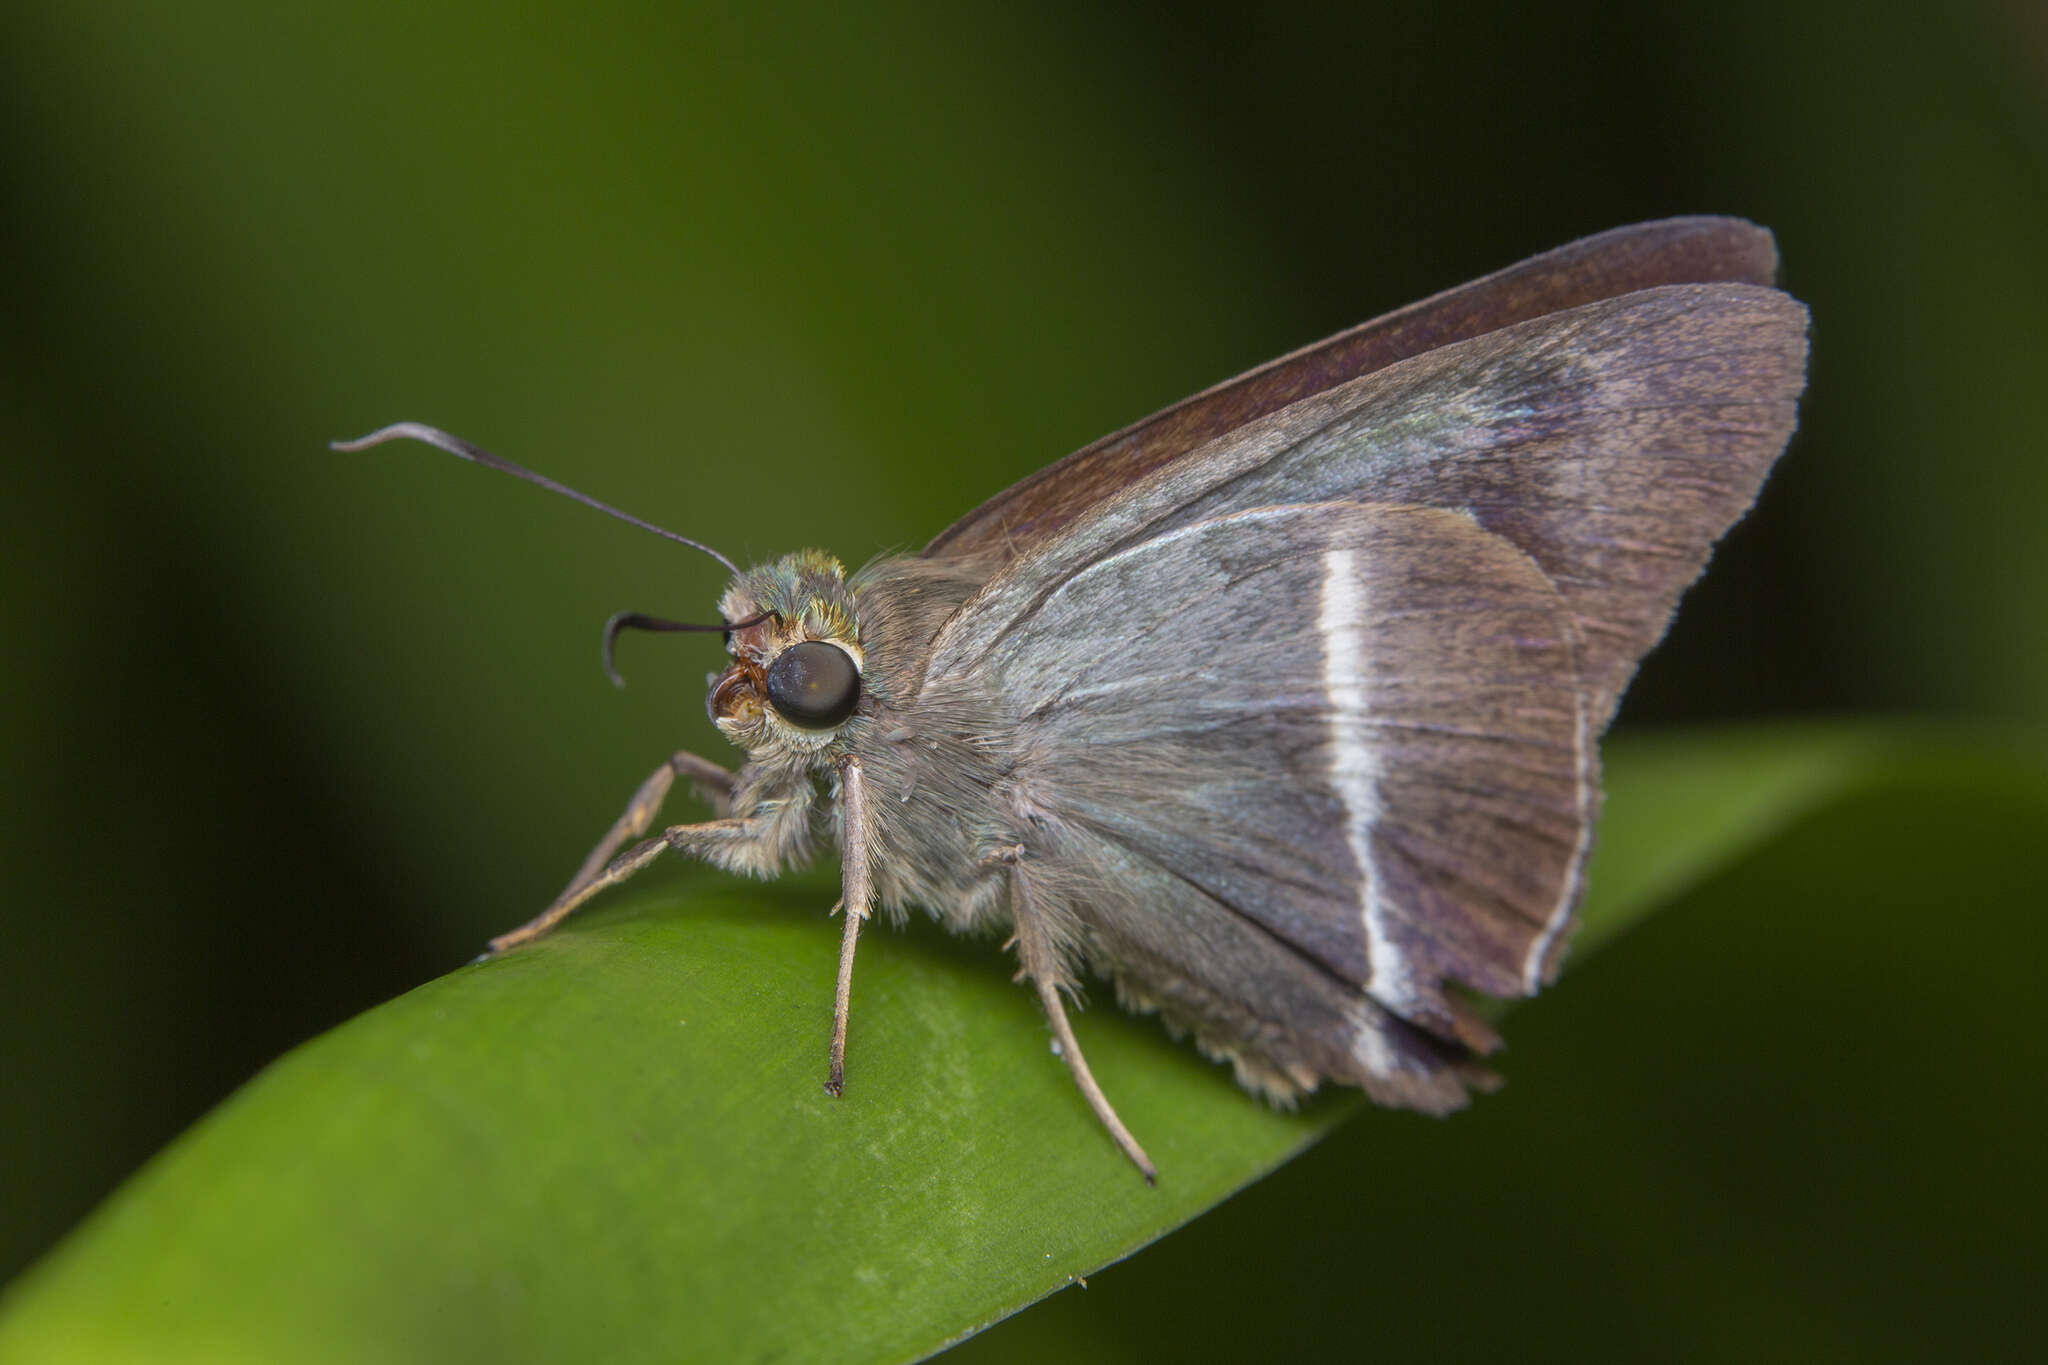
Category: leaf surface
[615,1145]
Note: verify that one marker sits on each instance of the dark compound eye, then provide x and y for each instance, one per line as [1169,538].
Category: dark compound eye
[813,685]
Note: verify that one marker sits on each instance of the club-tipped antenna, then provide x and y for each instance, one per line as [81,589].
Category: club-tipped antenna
[455,445]
[633,620]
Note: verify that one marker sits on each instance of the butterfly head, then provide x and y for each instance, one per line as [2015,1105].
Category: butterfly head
[795,678]
[790,627]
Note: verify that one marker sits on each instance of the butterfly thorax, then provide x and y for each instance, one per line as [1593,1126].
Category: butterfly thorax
[940,760]
[942,750]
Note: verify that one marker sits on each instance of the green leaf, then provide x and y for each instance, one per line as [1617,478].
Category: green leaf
[614,1144]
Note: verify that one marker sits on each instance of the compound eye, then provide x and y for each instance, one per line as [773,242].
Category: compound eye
[813,684]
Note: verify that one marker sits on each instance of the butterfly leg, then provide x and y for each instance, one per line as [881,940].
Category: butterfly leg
[598,870]
[856,893]
[1040,960]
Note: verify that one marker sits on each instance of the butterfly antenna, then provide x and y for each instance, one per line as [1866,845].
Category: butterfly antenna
[633,620]
[455,445]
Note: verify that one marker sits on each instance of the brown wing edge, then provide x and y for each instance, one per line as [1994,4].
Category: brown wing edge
[1695,250]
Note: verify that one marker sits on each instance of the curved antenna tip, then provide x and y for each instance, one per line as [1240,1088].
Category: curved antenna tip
[456,446]
[612,628]
[634,620]
[398,431]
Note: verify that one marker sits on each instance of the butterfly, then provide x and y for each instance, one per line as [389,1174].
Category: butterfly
[1281,709]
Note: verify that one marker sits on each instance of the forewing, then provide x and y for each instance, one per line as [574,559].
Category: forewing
[1356,729]
[1700,250]
[1612,444]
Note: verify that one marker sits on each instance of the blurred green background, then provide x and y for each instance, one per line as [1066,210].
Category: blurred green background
[287,731]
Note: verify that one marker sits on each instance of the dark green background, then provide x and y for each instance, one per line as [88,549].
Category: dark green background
[285,729]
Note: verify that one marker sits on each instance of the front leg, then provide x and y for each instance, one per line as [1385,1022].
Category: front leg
[769,828]
[712,782]
[713,841]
